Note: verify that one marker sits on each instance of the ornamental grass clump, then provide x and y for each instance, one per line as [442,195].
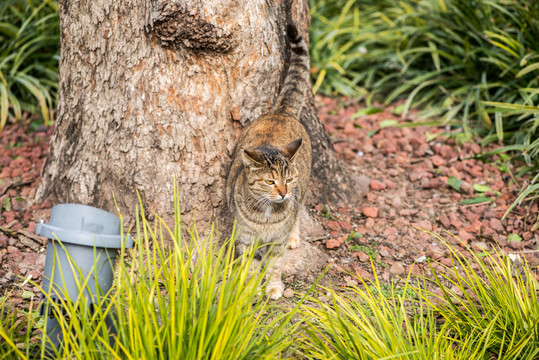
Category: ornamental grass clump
[370,322]
[29,53]
[493,299]
[474,64]
[489,309]
[174,297]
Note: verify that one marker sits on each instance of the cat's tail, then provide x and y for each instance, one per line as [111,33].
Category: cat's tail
[297,80]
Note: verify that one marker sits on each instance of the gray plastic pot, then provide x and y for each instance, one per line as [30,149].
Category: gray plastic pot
[89,241]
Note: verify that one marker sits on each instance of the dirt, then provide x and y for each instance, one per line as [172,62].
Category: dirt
[407,171]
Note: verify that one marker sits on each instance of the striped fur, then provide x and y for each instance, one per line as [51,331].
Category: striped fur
[269,175]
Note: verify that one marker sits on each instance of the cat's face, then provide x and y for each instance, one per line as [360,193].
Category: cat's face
[271,173]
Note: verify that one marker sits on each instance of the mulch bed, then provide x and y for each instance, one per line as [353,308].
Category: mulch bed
[407,171]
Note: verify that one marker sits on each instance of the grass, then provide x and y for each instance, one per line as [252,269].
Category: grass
[474,65]
[29,53]
[173,297]
[179,295]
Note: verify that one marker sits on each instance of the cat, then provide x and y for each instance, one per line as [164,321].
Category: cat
[270,171]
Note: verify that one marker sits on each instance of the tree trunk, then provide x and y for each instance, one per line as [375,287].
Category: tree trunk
[152,91]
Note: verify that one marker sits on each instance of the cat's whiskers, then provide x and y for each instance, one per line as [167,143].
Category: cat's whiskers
[259,204]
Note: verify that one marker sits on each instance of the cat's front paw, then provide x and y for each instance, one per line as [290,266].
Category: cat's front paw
[275,291]
[293,243]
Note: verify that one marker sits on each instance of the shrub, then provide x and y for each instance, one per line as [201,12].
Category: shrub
[29,52]
[474,64]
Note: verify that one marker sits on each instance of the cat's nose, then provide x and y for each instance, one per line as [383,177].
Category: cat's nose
[282,193]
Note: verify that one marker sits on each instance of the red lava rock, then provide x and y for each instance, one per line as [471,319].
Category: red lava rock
[384,253]
[377,185]
[333,243]
[397,268]
[4,240]
[464,236]
[444,220]
[496,225]
[371,212]
[372,197]
[361,256]
[9,216]
[29,259]
[423,224]
[476,171]
[437,160]
[349,129]
[334,225]
[407,212]
[363,274]
[475,227]
[13,252]
[453,218]
[346,226]
[416,174]
[434,183]
[446,262]
[517,245]
[31,227]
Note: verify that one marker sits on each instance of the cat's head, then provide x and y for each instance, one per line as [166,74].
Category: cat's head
[271,171]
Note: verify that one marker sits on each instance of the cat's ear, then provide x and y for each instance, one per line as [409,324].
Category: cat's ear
[292,148]
[251,158]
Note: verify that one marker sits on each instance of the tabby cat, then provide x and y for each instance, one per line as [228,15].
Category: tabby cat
[270,170]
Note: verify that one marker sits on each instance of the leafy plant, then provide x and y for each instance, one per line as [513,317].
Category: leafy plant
[173,297]
[362,323]
[472,64]
[29,52]
[491,300]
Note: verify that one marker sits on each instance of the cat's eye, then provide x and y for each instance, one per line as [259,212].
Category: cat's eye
[288,180]
[269,182]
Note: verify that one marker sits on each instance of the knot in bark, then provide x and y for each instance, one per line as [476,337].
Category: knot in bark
[175,26]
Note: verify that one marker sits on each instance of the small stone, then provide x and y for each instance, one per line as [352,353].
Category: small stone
[423,224]
[479,246]
[333,243]
[446,262]
[416,174]
[13,251]
[421,259]
[4,240]
[334,225]
[496,225]
[377,185]
[437,160]
[444,220]
[384,252]
[362,256]
[397,268]
[288,293]
[464,236]
[371,212]
[346,226]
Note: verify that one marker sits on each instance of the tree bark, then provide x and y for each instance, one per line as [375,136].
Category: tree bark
[152,91]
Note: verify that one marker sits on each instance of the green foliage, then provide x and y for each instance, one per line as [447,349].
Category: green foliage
[17,329]
[29,52]
[197,302]
[491,299]
[172,301]
[363,323]
[475,64]
[488,303]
